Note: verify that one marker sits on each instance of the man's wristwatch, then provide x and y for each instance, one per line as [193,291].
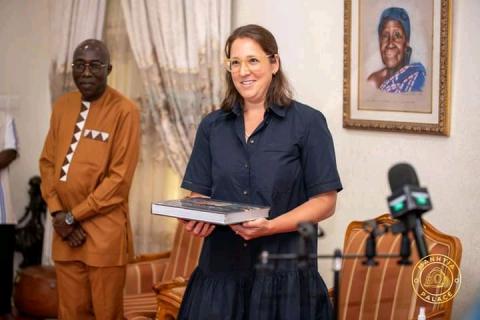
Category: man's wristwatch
[69,218]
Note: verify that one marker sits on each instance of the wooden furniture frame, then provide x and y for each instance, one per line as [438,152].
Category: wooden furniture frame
[385,291]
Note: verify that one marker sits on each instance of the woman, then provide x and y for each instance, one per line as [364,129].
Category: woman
[394,37]
[262,148]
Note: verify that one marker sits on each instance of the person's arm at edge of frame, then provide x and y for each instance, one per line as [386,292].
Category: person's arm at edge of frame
[9,153]
[6,157]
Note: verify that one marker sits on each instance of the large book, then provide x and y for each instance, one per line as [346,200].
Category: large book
[209,210]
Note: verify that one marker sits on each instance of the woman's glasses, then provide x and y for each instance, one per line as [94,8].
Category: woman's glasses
[253,63]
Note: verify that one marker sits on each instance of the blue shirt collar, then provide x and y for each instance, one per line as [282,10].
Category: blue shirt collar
[237,109]
[276,109]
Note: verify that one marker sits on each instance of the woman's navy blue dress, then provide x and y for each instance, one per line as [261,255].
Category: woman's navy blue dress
[288,159]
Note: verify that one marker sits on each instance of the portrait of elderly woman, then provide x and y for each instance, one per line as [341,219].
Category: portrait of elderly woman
[399,75]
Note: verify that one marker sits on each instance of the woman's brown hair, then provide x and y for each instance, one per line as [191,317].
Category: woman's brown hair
[279,92]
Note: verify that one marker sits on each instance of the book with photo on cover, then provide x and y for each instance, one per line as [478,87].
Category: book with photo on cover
[209,210]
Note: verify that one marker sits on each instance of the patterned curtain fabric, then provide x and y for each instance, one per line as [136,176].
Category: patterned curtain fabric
[154,179]
[178,47]
[71,22]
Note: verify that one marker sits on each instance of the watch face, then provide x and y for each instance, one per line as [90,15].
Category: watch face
[69,219]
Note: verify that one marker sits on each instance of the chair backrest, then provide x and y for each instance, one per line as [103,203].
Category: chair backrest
[184,255]
[385,291]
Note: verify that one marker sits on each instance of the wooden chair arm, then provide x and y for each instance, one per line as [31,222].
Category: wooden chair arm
[151,256]
[331,296]
[436,315]
[166,285]
[330,293]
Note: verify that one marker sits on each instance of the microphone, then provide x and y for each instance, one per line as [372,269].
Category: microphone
[408,202]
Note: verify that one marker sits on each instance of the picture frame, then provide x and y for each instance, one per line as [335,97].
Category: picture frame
[397,65]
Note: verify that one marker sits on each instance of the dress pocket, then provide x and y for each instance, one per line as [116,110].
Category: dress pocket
[278,166]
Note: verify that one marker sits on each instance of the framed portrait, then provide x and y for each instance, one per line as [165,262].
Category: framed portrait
[397,65]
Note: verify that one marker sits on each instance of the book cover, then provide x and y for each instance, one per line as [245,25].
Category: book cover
[209,210]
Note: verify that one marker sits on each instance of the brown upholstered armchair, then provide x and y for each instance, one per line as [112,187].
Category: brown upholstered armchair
[139,300]
[385,291]
[182,261]
[158,271]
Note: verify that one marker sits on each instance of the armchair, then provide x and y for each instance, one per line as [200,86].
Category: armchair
[163,271]
[183,259]
[139,300]
[385,291]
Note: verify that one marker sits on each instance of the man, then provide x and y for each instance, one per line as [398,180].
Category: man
[8,153]
[87,165]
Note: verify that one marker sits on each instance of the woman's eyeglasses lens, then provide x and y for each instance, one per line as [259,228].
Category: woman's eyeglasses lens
[253,63]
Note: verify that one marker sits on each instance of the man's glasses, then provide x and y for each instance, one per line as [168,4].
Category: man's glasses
[253,63]
[94,67]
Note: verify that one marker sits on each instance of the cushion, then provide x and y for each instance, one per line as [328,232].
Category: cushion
[140,306]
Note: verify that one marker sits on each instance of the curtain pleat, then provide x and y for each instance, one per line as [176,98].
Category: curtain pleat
[71,22]
[154,179]
[178,49]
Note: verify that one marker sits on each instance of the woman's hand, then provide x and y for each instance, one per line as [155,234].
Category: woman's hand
[198,228]
[253,229]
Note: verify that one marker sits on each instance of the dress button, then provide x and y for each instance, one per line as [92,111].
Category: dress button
[245,244]
[246,165]
[252,141]
[245,192]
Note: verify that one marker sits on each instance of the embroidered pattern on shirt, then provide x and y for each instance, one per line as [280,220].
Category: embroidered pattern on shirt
[77,133]
[96,135]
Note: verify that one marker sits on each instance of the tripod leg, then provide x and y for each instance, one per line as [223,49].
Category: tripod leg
[337,266]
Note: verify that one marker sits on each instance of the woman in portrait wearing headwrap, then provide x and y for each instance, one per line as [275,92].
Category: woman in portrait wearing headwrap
[398,75]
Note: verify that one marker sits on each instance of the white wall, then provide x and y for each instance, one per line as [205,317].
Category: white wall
[24,61]
[310,37]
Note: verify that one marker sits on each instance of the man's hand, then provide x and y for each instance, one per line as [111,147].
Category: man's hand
[60,226]
[77,237]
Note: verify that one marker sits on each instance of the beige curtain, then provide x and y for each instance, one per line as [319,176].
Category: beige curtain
[71,21]
[178,48]
[154,179]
